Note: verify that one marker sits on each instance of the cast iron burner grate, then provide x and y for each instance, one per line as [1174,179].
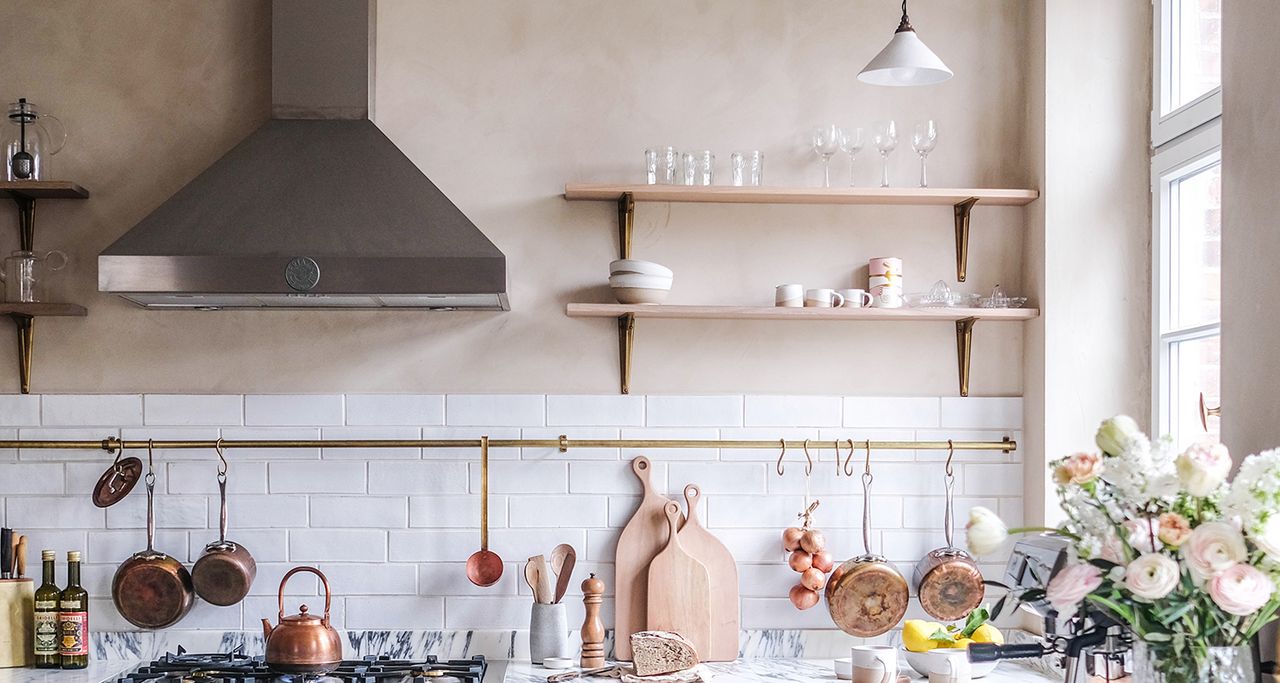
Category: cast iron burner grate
[237,667]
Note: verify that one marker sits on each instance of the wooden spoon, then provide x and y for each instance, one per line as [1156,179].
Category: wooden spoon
[531,577]
[484,567]
[563,557]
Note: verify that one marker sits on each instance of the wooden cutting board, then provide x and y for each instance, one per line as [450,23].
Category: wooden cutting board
[680,590]
[722,571]
[644,536]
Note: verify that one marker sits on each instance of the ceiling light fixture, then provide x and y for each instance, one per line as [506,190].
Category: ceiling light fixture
[906,60]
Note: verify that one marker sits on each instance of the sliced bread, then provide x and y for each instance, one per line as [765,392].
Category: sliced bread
[661,652]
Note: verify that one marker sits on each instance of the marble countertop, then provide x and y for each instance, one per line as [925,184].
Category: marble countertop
[99,671]
[791,670]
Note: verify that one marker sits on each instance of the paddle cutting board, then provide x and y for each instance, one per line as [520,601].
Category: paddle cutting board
[644,536]
[680,590]
[722,571]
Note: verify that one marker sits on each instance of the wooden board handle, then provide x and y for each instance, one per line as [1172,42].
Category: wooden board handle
[692,496]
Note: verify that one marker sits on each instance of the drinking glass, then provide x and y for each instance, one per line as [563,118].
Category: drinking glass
[885,140]
[826,142]
[923,138]
[688,168]
[747,168]
[662,165]
[651,167]
[699,167]
[852,142]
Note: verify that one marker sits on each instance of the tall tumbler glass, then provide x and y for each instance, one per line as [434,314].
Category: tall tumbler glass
[747,168]
[662,166]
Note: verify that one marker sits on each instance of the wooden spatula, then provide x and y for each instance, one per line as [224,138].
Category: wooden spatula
[679,590]
[563,558]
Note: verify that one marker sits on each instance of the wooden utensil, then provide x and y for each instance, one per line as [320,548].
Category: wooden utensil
[21,561]
[592,625]
[484,567]
[644,536]
[723,573]
[680,590]
[531,577]
[563,558]
[543,574]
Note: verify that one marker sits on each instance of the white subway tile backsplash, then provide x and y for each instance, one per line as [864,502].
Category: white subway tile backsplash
[602,545]
[280,410]
[693,411]
[670,433]
[486,613]
[445,512]
[573,453]
[450,578]
[192,410]
[793,411]
[202,477]
[415,612]
[993,480]
[774,613]
[434,546]
[171,512]
[621,508]
[267,582]
[770,434]
[416,410]
[363,433]
[498,410]
[470,452]
[766,580]
[177,434]
[64,454]
[32,478]
[418,477]
[365,578]
[910,546]
[266,545]
[112,410]
[53,512]
[317,477]
[559,511]
[523,477]
[982,412]
[613,477]
[115,547]
[920,512]
[724,477]
[985,456]
[378,512]
[263,512]
[8,454]
[337,545]
[274,434]
[605,410]
[879,412]
[519,543]
[19,410]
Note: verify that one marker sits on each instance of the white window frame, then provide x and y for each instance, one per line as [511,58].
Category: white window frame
[1163,83]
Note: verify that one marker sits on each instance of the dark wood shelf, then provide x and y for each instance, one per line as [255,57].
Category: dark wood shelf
[36,310]
[42,189]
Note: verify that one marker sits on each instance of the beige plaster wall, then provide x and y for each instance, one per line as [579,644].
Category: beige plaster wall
[501,103]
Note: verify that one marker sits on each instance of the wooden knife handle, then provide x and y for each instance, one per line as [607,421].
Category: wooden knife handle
[21,553]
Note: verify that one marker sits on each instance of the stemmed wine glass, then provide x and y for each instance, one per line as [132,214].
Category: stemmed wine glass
[923,138]
[826,142]
[851,142]
[885,140]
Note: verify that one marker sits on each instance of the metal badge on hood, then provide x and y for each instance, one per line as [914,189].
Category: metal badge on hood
[302,274]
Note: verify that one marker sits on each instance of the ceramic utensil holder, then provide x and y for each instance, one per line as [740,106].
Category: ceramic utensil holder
[548,632]
[17,622]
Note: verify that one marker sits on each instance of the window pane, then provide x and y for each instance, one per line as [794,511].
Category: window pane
[1195,65]
[1196,248]
[1193,368]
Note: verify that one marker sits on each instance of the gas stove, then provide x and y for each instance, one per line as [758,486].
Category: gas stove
[237,667]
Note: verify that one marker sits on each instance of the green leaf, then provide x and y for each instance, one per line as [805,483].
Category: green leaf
[1157,638]
[976,618]
[942,636]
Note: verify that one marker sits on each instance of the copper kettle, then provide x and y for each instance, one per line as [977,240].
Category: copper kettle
[303,643]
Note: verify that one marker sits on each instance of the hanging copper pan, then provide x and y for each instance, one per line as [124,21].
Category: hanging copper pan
[948,580]
[224,573]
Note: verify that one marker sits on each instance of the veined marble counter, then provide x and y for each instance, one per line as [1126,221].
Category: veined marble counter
[99,671]
[790,670]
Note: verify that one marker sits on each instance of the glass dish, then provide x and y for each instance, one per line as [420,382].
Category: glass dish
[940,295]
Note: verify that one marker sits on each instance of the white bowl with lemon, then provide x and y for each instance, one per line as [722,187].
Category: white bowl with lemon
[920,637]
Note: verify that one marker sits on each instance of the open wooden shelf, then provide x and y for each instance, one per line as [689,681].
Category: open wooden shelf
[684,311]
[24,319]
[799,195]
[42,189]
[43,309]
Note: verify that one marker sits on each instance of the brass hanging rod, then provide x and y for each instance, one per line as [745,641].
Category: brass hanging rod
[563,444]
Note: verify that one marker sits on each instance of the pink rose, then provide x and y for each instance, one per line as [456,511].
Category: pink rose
[1080,468]
[1174,529]
[1071,584]
[1212,548]
[1241,590]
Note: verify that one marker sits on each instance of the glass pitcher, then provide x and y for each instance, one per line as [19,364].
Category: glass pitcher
[29,140]
[23,274]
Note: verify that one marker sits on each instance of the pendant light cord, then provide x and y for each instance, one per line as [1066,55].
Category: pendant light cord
[905,24]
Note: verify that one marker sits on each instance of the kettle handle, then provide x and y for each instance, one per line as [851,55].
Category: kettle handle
[328,596]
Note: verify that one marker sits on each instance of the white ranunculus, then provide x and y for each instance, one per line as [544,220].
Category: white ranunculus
[1117,435]
[1241,590]
[1267,537]
[1212,548]
[1152,576]
[1203,467]
[986,532]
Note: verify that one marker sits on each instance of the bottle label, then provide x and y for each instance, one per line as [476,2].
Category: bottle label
[46,631]
[51,605]
[74,629]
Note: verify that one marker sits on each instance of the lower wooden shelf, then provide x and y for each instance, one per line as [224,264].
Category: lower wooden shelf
[23,316]
[964,319]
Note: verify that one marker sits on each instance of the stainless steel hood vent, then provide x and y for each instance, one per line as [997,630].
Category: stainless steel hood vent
[315,209]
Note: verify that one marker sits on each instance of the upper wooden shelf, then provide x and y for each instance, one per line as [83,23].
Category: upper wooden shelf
[800,195]
[677,311]
[42,189]
[42,309]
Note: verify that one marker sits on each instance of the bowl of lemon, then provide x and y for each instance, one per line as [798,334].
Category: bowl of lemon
[920,637]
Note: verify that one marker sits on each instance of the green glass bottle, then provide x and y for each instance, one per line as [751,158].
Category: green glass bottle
[73,618]
[46,636]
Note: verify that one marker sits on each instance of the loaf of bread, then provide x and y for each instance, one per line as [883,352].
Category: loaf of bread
[661,652]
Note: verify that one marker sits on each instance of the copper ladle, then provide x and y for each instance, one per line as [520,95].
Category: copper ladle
[484,567]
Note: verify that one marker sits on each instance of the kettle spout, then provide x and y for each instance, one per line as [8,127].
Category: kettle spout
[267,628]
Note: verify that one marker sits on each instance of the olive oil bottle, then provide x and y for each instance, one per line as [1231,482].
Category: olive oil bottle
[47,655]
[73,618]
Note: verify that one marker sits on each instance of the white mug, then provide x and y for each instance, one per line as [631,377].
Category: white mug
[789,296]
[874,664]
[885,292]
[949,666]
[823,298]
[855,298]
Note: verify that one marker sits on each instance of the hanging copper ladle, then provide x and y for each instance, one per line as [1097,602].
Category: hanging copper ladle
[484,567]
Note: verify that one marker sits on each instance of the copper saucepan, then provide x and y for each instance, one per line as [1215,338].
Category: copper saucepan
[948,580]
[866,595]
[225,572]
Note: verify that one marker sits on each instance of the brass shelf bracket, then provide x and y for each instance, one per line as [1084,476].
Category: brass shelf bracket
[26,345]
[962,211]
[26,222]
[626,341]
[626,224]
[964,348]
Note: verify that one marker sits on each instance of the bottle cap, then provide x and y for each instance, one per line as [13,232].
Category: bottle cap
[47,555]
[73,556]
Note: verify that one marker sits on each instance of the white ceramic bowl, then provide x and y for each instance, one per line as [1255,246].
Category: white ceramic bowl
[920,661]
[640,295]
[630,265]
[634,280]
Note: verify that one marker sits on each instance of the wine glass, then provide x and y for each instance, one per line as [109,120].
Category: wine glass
[923,138]
[826,142]
[885,140]
[852,142]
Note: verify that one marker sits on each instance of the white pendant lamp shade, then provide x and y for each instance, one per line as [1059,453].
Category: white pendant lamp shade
[906,60]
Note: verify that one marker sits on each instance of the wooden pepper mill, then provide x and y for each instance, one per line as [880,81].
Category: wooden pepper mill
[592,626]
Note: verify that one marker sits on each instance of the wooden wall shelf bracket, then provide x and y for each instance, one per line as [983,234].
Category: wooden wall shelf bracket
[962,211]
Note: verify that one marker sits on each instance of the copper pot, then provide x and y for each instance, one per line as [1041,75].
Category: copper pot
[225,572]
[151,589]
[303,643]
[948,580]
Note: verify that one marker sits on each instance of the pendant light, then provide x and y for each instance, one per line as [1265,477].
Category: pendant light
[906,60]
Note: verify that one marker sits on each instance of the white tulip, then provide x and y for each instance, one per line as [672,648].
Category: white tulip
[1152,576]
[1203,467]
[986,532]
[1117,435]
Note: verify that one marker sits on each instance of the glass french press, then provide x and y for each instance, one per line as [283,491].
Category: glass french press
[23,274]
[30,139]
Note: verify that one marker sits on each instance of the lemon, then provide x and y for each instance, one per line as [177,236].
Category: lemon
[962,643]
[987,633]
[916,632]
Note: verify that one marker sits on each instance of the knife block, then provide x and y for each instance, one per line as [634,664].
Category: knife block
[17,622]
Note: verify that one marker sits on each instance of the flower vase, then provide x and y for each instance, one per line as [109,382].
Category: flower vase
[1160,664]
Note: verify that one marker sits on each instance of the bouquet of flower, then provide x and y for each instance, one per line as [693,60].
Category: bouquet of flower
[1188,561]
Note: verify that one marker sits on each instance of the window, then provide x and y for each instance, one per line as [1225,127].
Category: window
[1186,180]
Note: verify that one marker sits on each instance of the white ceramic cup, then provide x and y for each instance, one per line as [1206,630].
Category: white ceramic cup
[855,298]
[949,666]
[789,296]
[823,298]
[885,292]
[874,664]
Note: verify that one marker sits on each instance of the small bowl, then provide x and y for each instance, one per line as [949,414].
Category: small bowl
[630,265]
[844,669]
[920,662]
[640,281]
[640,295]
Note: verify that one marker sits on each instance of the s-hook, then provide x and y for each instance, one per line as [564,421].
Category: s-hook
[808,467]
[782,455]
[222,461]
[848,459]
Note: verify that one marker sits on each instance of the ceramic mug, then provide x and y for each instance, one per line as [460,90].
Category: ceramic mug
[885,266]
[823,298]
[874,664]
[949,666]
[855,298]
[789,296]
[886,292]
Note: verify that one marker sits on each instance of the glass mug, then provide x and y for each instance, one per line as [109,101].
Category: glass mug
[23,273]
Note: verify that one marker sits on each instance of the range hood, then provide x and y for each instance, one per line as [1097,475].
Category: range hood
[315,209]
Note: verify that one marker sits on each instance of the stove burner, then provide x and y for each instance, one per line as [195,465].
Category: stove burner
[237,667]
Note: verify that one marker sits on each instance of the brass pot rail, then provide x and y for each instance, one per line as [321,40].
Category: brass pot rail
[563,444]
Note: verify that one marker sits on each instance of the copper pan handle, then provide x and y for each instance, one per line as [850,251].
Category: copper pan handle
[328,595]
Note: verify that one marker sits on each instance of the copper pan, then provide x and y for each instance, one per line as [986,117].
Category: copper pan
[948,580]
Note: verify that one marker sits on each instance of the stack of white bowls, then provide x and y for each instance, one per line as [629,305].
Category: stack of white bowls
[639,282]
